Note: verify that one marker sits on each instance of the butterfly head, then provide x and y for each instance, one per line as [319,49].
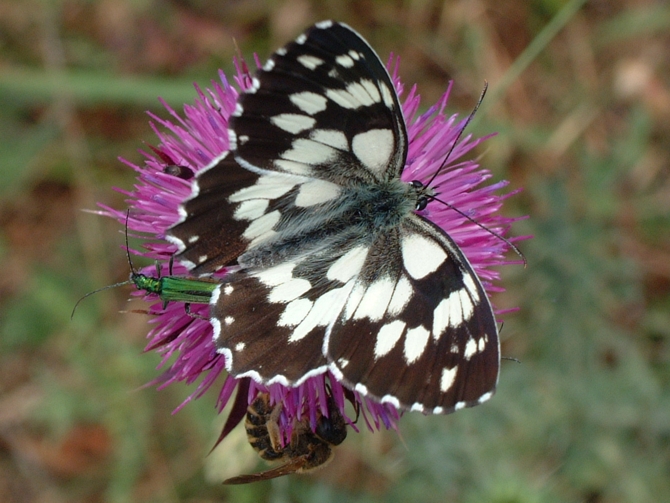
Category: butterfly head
[423,194]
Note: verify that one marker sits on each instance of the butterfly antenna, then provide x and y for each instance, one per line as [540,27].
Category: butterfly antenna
[127,282]
[493,233]
[460,133]
[444,163]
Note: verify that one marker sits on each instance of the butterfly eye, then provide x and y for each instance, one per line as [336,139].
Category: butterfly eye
[421,199]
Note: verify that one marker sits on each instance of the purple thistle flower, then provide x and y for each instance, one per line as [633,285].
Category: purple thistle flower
[188,143]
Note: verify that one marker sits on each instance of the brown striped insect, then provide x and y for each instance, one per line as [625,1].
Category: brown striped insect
[307,449]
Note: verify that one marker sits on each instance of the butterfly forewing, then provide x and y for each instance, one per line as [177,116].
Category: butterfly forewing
[323,106]
[211,232]
[335,270]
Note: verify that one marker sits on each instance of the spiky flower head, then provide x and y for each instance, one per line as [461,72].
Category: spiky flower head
[188,142]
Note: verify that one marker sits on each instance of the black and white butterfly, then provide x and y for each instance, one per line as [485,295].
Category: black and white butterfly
[332,266]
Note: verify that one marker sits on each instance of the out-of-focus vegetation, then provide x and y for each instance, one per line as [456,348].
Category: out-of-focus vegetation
[580,96]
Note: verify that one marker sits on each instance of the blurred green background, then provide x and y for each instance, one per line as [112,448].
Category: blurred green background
[580,96]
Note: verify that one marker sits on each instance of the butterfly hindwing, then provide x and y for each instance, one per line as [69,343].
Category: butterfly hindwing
[425,337]
[270,323]
[254,337]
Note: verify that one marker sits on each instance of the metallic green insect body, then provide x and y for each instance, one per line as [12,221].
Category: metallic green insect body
[174,288]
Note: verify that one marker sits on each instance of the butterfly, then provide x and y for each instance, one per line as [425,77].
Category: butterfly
[330,265]
[307,449]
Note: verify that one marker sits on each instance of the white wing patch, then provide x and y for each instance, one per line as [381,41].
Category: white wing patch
[275,276]
[306,151]
[310,62]
[460,307]
[485,397]
[357,94]
[348,265]
[374,148]
[441,317]
[295,312]
[387,337]
[453,311]
[216,328]
[421,255]
[345,60]
[310,103]
[472,288]
[293,123]
[472,347]
[324,25]
[375,300]
[448,378]
[387,97]
[316,191]
[366,91]
[266,187]
[261,225]
[291,290]
[383,297]
[323,312]
[353,301]
[416,341]
[401,296]
[251,209]
[330,137]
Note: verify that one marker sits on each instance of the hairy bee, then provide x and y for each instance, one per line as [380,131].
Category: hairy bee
[307,449]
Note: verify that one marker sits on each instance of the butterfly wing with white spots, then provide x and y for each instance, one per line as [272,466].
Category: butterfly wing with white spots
[334,268]
[421,340]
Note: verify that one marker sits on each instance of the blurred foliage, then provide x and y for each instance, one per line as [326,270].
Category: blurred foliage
[580,96]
